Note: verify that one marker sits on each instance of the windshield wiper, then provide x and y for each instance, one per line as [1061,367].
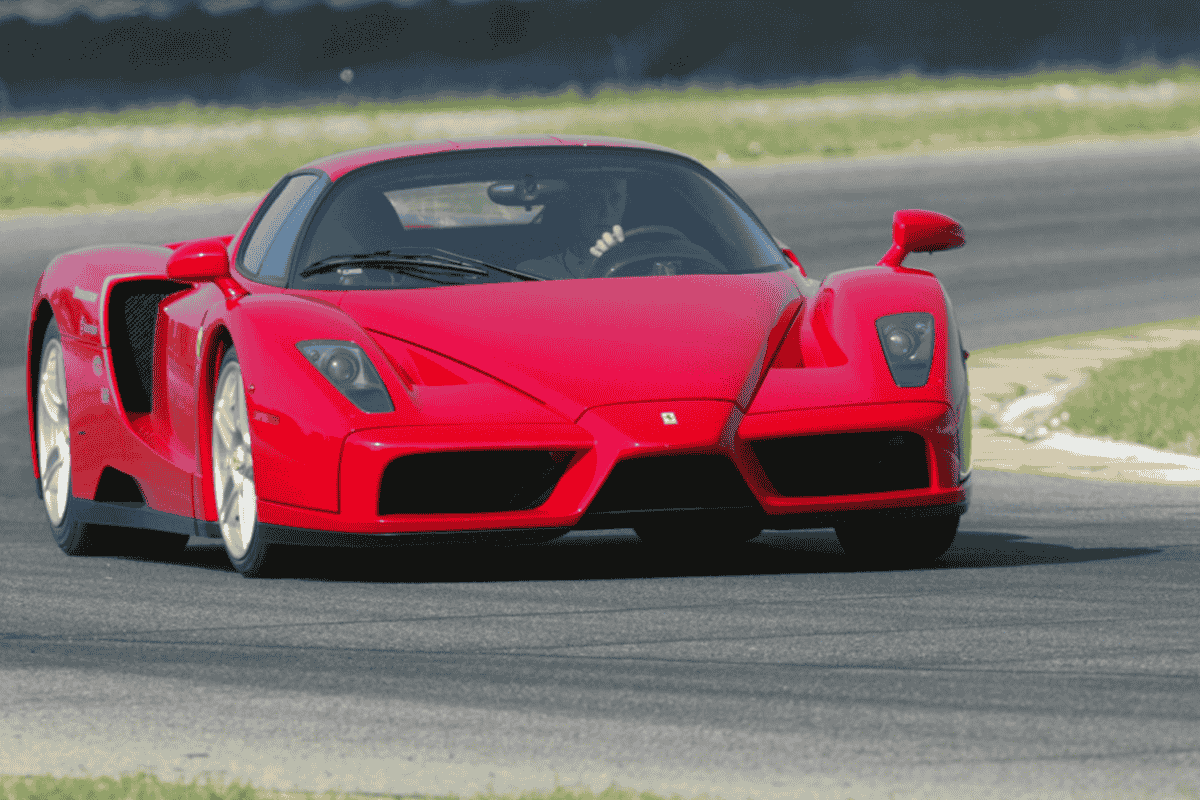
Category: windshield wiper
[413,263]
[386,259]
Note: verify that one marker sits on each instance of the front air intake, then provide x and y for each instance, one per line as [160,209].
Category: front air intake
[659,483]
[470,481]
[118,487]
[132,319]
[844,463]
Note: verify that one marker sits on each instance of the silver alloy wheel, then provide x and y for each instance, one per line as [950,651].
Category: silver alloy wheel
[233,465]
[54,433]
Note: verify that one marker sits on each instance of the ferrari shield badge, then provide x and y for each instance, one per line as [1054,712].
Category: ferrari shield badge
[668,418]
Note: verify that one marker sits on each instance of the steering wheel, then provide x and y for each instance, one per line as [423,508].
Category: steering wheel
[663,245]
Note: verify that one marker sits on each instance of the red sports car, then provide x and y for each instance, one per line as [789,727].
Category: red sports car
[497,340]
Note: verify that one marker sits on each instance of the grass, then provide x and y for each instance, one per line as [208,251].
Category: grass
[149,787]
[1152,400]
[909,83]
[128,177]
[180,154]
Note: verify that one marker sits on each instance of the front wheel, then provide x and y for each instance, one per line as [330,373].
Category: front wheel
[890,543]
[233,472]
[52,427]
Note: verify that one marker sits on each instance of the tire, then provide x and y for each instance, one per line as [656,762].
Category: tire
[52,430]
[233,472]
[701,533]
[889,543]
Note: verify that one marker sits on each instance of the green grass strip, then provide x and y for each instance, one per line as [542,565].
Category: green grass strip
[148,787]
[908,83]
[1152,400]
[125,178]
[715,126]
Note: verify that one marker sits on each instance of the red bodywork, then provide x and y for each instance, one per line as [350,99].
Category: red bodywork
[574,367]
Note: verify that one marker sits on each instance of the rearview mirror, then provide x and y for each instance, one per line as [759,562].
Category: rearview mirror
[201,260]
[528,191]
[918,231]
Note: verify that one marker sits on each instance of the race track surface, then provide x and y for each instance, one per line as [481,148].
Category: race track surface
[1054,647]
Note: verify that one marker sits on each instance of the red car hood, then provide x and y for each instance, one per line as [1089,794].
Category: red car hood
[577,344]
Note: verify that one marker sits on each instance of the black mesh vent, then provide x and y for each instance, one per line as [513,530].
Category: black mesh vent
[844,463]
[470,482]
[132,316]
[117,487]
[665,482]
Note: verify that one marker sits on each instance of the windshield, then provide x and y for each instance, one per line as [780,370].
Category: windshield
[528,214]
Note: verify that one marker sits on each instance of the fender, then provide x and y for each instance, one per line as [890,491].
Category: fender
[839,352]
[298,420]
[73,289]
[75,283]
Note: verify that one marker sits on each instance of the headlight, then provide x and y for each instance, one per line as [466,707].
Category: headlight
[907,341]
[347,367]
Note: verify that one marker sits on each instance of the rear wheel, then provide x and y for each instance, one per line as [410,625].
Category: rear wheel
[52,426]
[233,472]
[889,543]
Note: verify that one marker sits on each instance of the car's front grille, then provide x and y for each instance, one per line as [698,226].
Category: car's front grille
[673,482]
[844,463]
[470,481]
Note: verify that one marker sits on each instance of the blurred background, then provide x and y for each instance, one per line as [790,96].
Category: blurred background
[109,54]
[126,102]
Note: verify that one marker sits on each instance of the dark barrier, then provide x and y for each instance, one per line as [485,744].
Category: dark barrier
[262,55]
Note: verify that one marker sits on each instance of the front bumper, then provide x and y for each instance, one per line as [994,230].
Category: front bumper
[715,439]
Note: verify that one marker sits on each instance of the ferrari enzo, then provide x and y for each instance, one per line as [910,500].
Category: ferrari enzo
[497,341]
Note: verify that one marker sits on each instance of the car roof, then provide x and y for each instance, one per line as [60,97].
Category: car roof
[335,166]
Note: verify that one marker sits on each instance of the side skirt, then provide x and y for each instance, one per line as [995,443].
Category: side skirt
[133,515]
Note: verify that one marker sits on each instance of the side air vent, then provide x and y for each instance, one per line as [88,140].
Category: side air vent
[117,487]
[132,318]
[470,481]
[844,463]
[659,483]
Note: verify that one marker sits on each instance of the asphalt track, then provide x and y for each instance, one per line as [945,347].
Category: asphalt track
[1053,649]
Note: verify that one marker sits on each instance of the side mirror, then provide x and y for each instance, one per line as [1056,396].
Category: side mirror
[917,231]
[201,260]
